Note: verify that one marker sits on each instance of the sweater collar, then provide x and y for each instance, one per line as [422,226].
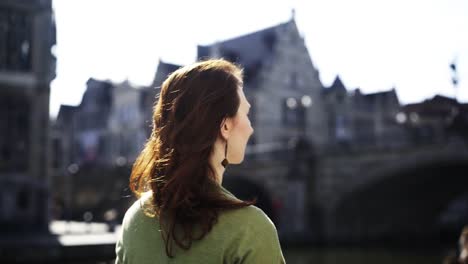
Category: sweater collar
[228,193]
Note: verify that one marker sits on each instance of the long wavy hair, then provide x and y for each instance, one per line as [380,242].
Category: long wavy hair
[175,162]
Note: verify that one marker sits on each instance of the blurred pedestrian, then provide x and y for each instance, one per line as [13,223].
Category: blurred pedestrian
[462,256]
[183,214]
[463,246]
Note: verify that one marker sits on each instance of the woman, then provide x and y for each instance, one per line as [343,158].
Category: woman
[183,214]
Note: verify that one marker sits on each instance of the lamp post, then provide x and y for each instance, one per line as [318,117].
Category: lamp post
[306,102]
[453,67]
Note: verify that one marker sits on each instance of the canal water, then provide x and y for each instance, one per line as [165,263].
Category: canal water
[362,256]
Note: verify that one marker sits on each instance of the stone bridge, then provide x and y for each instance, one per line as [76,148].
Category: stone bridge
[363,196]
[392,194]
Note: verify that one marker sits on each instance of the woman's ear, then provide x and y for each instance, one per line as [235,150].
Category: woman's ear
[226,126]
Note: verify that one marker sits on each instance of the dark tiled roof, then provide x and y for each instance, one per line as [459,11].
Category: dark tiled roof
[251,51]
[98,91]
[338,84]
[163,70]
[66,113]
[440,99]
[335,87]
[385,95]
[438,105]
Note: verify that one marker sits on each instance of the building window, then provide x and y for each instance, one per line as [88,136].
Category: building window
[14,134]
[15,40]
[340,128]
[291,81]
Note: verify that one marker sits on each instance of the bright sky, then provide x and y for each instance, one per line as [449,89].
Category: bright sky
[374,45]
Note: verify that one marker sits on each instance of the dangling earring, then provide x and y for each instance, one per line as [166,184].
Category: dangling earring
[225,162]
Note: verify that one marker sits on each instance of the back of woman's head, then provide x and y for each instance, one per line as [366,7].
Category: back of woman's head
[193,102]
[175,163]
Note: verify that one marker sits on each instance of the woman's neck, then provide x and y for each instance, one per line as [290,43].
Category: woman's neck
[216,158]
[219,170]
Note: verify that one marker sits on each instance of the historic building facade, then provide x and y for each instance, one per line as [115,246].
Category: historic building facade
[107,128]
[27,35]
[126,125]
[362,121]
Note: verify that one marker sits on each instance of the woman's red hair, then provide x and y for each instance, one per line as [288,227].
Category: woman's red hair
[175,162]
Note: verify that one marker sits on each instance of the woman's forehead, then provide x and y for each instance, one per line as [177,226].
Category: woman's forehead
[240,91]
[243,99]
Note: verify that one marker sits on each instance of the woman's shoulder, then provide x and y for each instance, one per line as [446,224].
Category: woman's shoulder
[249,217]
[138,211]
[251,236]
[248,214]
[250,211]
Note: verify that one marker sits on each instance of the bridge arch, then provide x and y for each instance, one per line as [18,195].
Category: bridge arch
[404,203]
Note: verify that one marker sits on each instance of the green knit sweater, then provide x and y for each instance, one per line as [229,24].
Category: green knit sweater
[243,235]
